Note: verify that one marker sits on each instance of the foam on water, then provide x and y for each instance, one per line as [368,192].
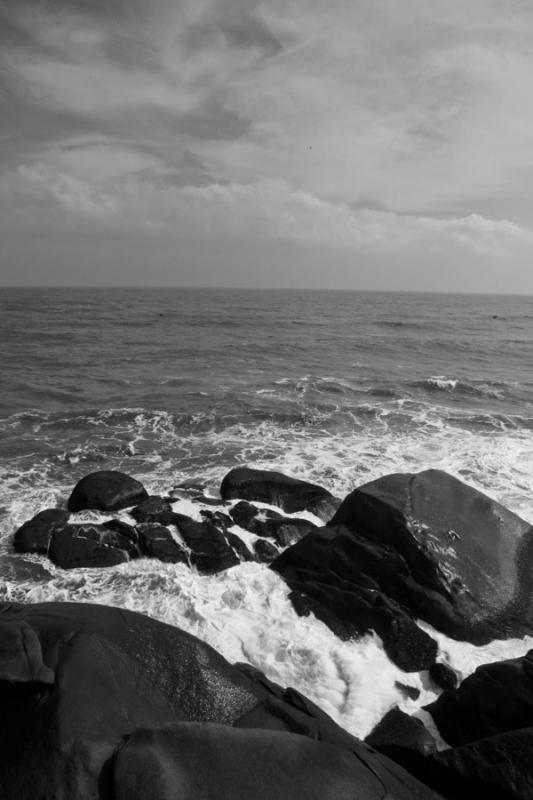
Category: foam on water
[245,613]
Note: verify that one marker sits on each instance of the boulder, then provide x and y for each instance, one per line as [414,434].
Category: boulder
[156,541]
[498,767]
[495,699]
[239,547]
[89,545]
[114,671]
[218,518]
[469,559]
[285,531]
[274,488]
[265,552]
[106,490]
[150,509]
[199,762]
[443,676]
[209,550]
[244,515]
[34,536]
[348,581]
[402,738]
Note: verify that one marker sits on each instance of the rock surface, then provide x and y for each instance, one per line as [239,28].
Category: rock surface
[274,488]
[106,490]
[34,536]
[116,705]
[469,559]
[89,545]
[346,581]
[156,541]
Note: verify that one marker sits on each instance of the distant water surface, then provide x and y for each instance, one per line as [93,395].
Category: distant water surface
[338,387]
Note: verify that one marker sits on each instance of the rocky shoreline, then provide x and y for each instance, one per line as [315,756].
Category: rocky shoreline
[402,549]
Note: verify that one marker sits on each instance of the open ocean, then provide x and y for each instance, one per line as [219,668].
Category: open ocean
[335,387]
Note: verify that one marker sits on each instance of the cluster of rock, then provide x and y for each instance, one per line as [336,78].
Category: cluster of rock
[395,551]
[210,545]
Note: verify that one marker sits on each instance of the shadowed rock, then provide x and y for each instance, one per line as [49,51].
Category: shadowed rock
[210,552]
[265,552]
[274,488]
[89,545]
[106,490]
[150,509]
[114,671]
[402,738]
[34,536]
[156,541]
[344,580]
[254,765]
[495,699]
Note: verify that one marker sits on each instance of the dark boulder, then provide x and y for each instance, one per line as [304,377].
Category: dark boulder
[115,671]
[469,559]
[218,518]
[239,547]
[498,767]
[150,509]
[495,699]
[198,762]
[347,581]
[285,531]
[265,552]
[443,676]
[402,738]
[244,515]
[34,536]
[106,490]
[156,541]
[125,530]
[274,488]
[209,550]
[89,545]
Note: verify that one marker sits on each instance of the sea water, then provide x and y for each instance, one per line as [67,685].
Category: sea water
[335,387]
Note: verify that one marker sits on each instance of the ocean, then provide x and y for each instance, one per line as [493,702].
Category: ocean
[338,388]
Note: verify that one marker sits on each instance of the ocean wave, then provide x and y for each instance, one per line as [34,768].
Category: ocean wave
[484,389]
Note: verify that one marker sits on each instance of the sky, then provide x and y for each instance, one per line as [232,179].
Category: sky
[362,144]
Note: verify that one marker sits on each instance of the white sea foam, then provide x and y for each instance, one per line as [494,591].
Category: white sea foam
[245,613]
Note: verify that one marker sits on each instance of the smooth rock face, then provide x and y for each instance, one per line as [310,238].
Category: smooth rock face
[89,545]
[106,490]
[199,762]
[34,536]
[277,489]
[114,671]
[402,738]
[347,582]
[469,560]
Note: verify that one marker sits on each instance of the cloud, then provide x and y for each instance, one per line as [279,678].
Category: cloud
[366,126]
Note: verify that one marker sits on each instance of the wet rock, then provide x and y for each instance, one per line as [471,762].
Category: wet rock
[402,738]
[469,559]
[346,581]
[265,552]
[239,547]
[443,676]
[410,692]
[210,552]
[150,509]
[218,518]
[274,488]
[125,530]
[21,658]
[285,531]
[89,545]
[495,699]
[244,515]
[106,490]
[156,541]
[34,536]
